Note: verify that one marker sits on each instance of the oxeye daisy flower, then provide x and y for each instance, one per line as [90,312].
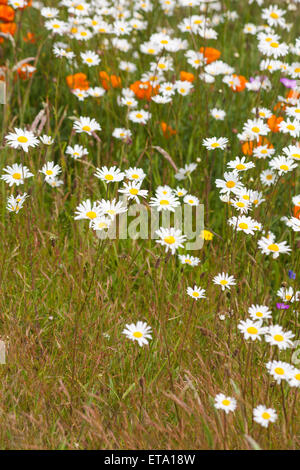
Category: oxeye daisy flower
[222,402]
[287,294]
[293,223]
[256,128]
[140,116]
[268,246]
[87,125]
[170,238]
[292,151]
[262,113]
[139,332]
[135,174]
[243,224]
[101,223]
[14,204]
[263,415]
[251,329]
[96,92]
[49,12]
[77,151]
[46,139]
[276,336]
[274,15]
[196,292]
[259,312]
[294,112]
[215,143]
[290,127]
[282,164]
[122,134]
[231,183]
[191,200]
[262,151]
[294,377]
[50,170]
[87,210]
[112,208]
[90,58]
[240,164]
[164,202]
[268,177]
[53,182]
[183,87]
[218,114]
[188,259]
[186,171]
[273,48]
[133,190]
[109,175]
[16,174]
[279,370]
[180,192]
[21,139]
[224,280]
[80,94]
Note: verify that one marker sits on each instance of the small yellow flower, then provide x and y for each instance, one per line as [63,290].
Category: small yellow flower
[206,234]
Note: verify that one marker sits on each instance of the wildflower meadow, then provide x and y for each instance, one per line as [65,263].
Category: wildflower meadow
[150,220]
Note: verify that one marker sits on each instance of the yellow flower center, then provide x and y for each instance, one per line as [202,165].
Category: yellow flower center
[133,191]
[164,202]
[109,177]
[252,330]
[297,376]
[196,294]
[284,167]
[139,115]
[274,44]
[111,212]
[290,127]
[17,176]
[279,338]
[255,129]
[91,214]
[137,334]
[223,282]
[215,144]
[226,402]
[274,15]
[230,184]
[279,370]
[89,60]
[240,166]
[22,139]
[259,314]
[49,172]
[170,240]
[288,297]
[86,128]
[273,247]
[243,226]
[296,155]
[265,415]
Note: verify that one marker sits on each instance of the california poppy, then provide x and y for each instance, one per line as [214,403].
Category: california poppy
[7,13]
[210,54]
[144,90]
[186,76]
[297,212]
[78,81]
[247,147]
[167,130]
[273,123]
[109,80]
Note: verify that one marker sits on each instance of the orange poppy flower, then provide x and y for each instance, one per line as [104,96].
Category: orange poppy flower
[293,94]
[242,84]
[247,147]
[110,80]
[297,212]
[7,13]
[186,76]
[78,81]
[273,123]
[30,37]
[210,54]
[144,90]
[26,71]
[8,28]
[167,130]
